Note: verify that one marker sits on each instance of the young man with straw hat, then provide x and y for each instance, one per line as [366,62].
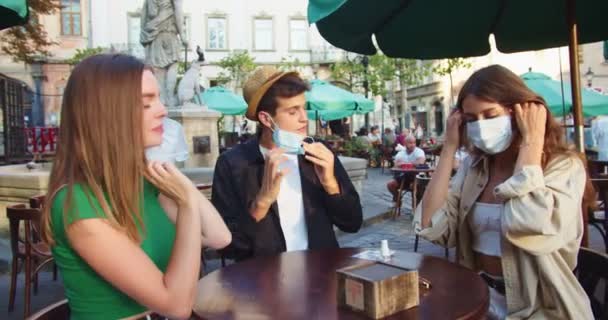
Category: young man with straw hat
[279,192]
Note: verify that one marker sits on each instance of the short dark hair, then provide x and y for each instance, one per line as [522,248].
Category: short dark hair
[286,87]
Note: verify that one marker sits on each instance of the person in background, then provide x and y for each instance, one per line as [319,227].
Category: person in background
[375,138]
[389,138]
[409,154]
[174,148]
[599,130]
[514,208]
[126,233]
[400,140]
[418,133]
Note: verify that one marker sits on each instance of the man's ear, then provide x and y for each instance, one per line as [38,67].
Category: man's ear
[264,119]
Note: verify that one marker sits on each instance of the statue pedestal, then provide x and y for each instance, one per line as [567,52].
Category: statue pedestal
[200,129]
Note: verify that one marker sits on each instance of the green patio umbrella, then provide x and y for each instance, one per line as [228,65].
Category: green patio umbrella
[437,29]
[224,101]
[330,102]
[13,13]
[594,104]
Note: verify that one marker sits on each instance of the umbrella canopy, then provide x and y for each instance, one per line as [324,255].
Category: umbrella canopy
[13,13]
[331,102]
[435,29]
[224,101]
[594,104]
[450,28]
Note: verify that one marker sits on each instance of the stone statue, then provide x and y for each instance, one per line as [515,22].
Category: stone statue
[189,87]
[161,24]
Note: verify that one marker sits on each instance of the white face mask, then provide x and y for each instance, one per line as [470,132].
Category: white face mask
[491,136]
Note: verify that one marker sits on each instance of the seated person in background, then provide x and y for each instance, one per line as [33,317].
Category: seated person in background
[408,154]
[277,192]
[389,138]
[459,156]
[374,136]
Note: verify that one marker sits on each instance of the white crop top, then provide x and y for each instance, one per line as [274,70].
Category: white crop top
[484,221]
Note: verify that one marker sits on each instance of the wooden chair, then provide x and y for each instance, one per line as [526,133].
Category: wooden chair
[37,202]
[56,311]
[386,156]
[419,187]
[592,273]
[27,249]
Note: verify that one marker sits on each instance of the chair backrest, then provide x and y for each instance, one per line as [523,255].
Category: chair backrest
[591,271]
[15,214]
[601,186]
[205,188]
[56,311]
[37,201]
[596,167]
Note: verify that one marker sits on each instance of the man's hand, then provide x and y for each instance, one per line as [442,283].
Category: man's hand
[323,160]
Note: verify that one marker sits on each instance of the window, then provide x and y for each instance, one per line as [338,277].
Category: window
[134,25]
[70,18]
[298,34]
[216,33]
[263,37]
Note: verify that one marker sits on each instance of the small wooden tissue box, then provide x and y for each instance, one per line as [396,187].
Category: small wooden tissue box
[377,289]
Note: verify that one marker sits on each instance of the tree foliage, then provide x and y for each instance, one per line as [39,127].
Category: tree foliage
[237,66]
[29,42]
[82,54]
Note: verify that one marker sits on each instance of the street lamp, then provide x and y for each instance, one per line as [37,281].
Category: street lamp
[589,75]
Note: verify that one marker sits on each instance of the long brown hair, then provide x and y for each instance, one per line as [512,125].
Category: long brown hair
[101,141]
[498,84]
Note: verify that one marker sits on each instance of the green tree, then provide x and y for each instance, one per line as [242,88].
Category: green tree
[82,54]
[237,66]
[290,64]
[28,42]
[448,67]
[349,71]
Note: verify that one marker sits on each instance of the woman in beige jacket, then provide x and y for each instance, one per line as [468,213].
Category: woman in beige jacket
[513,210]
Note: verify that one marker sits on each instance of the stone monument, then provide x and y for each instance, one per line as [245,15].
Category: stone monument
[163,38]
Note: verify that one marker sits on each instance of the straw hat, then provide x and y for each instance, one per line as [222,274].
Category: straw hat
[256,86]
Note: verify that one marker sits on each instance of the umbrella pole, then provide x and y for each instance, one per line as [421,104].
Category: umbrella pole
[575,77]
[317,123]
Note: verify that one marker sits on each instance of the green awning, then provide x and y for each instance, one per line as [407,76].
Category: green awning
[594,104]
[331,102]
[224,101]
[13,13]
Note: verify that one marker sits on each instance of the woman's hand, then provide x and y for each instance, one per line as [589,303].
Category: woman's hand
[452,136]
[170,181]
[531,120]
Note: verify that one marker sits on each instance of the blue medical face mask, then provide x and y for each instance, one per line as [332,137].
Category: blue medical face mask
[288,141]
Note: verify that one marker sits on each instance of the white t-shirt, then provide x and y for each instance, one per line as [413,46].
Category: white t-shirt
[374,138]
[291,205]
[403,156]
[599,129]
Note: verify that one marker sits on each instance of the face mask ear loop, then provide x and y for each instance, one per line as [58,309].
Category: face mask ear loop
[271,120]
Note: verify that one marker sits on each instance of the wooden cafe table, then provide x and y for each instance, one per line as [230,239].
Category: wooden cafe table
[302,285]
